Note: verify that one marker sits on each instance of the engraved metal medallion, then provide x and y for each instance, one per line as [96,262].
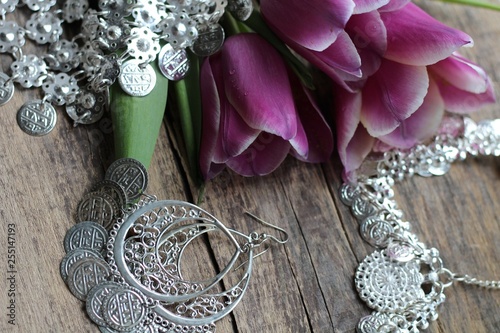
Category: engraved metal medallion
[97,207]
[95,299]
[376,231]
[129,174]
[173,64]
[369,324]
[124,309]
[241,9]
[6,89]
[36,118]
[151,328]
[73,256]
[388,286]
[137,80]
[210,40]
[384,322]
[112,189]
[86,234]
[85,274]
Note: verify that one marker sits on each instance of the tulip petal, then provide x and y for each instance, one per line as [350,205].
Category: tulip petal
[235,133]
[211,117]
[300,143]
[314,25]
[394,5]
[357,150]
[422,124]
[249,65]
[317,134]
[341,61]
[353,141]
[341,55]
[262,157]
[462,102]
[214,170]
[368,33]
[462,73]
[391,95]
[415,38]
[365,6]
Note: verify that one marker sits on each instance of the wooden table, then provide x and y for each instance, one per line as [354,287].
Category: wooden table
[303,286]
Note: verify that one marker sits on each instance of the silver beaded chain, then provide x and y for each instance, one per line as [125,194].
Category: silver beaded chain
[403,281]
[117,42]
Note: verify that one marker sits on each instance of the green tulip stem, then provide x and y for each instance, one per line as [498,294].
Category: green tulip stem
[137,120]
[474,3]
[257,24]
[231,26]
[187,93]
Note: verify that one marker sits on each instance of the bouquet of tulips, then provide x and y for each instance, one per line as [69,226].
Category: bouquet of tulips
[392,71]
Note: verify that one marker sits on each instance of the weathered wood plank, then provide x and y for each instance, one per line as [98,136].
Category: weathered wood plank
[302,286]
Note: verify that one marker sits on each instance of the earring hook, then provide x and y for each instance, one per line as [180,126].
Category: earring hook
[257,239]
[264,237]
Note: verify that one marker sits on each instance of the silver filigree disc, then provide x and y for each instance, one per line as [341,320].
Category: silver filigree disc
[388,286]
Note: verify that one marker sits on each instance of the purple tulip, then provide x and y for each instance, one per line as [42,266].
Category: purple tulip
[316,31]
[255,112]
[375,119]
[403,101]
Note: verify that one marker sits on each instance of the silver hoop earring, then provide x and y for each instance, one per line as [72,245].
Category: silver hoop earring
[140,285]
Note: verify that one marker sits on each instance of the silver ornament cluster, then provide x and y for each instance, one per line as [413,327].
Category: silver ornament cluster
[124,259]
[118,42]
[404,280]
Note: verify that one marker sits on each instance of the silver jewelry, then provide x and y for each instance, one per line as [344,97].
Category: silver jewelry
[77,73]
[391,279]
[140,287]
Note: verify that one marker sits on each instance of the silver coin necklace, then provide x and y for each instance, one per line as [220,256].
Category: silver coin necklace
[404,280]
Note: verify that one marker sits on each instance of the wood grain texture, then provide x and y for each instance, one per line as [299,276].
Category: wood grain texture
[303,286]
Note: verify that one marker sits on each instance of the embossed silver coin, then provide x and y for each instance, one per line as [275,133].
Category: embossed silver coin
[36,118]
[210,40]
[137,80]
[129,174]
[85,274]
[95,299]
[73,256]
[86,234]
[376,231]
[151,328]
[112,189]
[241,9]
[97,207]
[6,89]
[124,309]
[173,64]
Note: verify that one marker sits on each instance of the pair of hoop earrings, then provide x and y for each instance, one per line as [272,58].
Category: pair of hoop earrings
[131,275]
